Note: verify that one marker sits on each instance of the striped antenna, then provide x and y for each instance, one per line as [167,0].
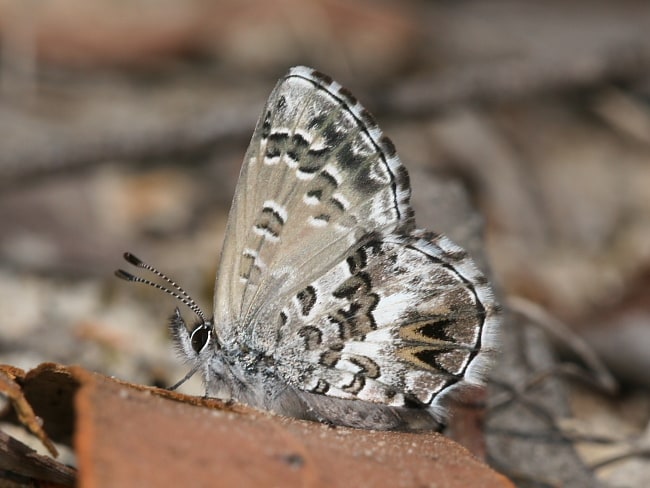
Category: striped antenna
[176,291]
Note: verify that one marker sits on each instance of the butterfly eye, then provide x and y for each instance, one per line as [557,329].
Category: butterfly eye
[200,337]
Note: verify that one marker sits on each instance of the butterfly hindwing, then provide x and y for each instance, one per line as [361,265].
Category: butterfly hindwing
[402,319]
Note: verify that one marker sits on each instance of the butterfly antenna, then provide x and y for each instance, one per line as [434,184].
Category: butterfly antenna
[177,292]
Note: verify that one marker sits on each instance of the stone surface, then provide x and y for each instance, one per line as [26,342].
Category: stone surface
[129,435]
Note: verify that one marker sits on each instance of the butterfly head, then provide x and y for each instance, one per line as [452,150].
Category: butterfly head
[194,345]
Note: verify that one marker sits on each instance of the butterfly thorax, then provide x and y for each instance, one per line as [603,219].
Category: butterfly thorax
[231,369]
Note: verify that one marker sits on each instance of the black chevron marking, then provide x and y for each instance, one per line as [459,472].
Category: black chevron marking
[265,227]
[274,214]
[358,382]
[270,222]
[436,359]
[368,367]
[337,204]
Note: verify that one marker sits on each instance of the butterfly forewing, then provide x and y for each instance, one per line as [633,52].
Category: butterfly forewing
[318,175]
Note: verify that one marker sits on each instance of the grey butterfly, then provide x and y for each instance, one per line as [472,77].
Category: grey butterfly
[329,304]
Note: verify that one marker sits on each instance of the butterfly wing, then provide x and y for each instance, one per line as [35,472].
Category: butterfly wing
[317,176]
[403,320]
[323,273]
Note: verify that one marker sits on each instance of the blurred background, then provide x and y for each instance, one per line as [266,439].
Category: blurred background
[123,126]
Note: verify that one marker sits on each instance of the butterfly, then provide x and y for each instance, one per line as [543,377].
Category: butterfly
[330,304]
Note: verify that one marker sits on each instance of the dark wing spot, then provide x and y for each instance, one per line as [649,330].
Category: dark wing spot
[282,104]
[317,194]
[321,387]
[333,135]
[312,336]
[337,203]
[307,299]
[317,121]
[357,261]
[367,365]
[354,284]
[345,93]
[278,136]
[266,228]
[330,358]
[270,221]
[297,147]
[266,125]
[323,78]
[276,215]
[436,329]
[358,382]
[329,178]
[276,144]
[368,119]
[310,161]
[347,157]
[388,147]
[323,217]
